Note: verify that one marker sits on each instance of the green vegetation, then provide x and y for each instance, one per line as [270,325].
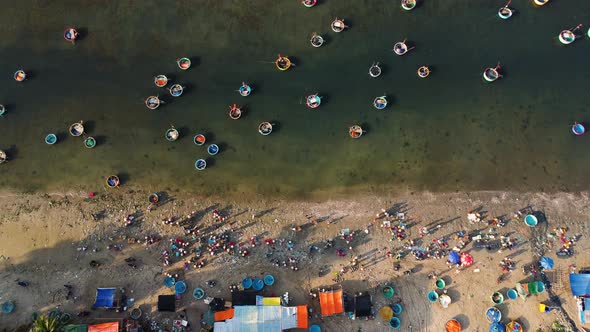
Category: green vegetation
[47,324]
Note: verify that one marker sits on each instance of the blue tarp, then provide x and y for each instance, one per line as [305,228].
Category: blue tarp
[105,298]
[454,257]
[580,284]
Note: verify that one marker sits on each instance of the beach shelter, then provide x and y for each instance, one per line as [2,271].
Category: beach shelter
[454,257]
[453,326]
[466,259]
[76,328]
[331,302]
[580,284]
[261,300]
[167,303]
[105,298]
[546,263]
[104,327]
[224,315]
[264,318]
[243,298]
[363,307]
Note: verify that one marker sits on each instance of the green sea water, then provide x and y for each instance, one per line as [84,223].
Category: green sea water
[451,131]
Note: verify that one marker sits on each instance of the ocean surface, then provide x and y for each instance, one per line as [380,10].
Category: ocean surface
[451,131]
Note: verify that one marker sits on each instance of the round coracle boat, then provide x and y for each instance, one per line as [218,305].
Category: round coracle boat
[77,129]
[71,34]
[20,75]
[505,12]
[245,90]
[161,81]
[235,112]
[113,181]
[316,40]
[176,90]
[172,134]
[200,164]
[380,102]
[541,2]
[423,71]
[567,37]
[90,142]
[401,48]
[578,129]
[3,157]
[338,25]
[199,139]
[265,128]
[2,109]
[183,63]
[309,3]
[152,102]
[213,149]
[492,74]
[51,139]
[283,63]
[409,4]
[313,101]
[375,70]
[355,131]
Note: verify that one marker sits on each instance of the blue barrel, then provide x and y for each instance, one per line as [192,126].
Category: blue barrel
[247,283]
[315,328]
[531,220]
[540,287]
[432,296]
[198,293]
[7,307]
[397,308]
[512,294]
[180,287]
[258,284]
[395,323]
[169,282]
[269,279]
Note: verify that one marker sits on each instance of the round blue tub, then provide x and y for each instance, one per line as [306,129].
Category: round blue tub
[395,323]
[247,283]
[269,279]
[258,284]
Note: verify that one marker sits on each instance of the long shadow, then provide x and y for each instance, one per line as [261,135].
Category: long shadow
[464,320]
[260,214]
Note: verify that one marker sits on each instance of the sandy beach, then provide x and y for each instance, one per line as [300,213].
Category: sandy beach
[49,240]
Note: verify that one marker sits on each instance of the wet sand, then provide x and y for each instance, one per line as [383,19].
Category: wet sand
[41,234]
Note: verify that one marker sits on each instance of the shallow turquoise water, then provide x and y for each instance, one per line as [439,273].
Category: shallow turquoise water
[449,132]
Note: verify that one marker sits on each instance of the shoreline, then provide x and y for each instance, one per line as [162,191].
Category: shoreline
[42,234]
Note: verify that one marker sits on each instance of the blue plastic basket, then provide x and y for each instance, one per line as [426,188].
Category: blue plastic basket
[247,283]
[180,287]
[269,279]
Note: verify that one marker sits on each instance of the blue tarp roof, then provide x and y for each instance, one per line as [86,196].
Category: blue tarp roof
[580,284]
[105,298]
